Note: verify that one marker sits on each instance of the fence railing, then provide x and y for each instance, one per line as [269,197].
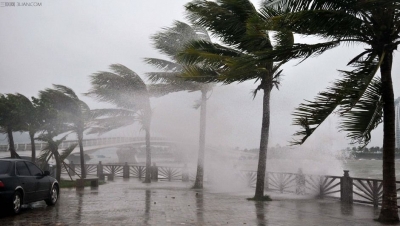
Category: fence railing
[345,188]
[86,143]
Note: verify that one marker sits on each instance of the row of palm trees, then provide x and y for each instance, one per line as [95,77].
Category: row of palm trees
[254,44]
[247,50]
[57,111]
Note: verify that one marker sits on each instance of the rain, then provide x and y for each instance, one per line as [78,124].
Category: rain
[117,65]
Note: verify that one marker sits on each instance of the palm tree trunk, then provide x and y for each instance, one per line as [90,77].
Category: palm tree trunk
[82,157]
[198,184]
[11,143]
[147,178]
[389,199]
[33,148]
[54,149]
[262,159]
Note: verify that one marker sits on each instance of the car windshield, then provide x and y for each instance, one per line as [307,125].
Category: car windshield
[4,166]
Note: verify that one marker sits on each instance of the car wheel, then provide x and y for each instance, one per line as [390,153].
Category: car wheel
[53,196]
[16,202]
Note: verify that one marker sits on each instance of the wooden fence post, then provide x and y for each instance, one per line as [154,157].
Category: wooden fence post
[125,171]
[100,171]
[185,173]
[375,193]
[346,188]
[266,182]
[71,168]
[154,172]
[300,183]
[140,172]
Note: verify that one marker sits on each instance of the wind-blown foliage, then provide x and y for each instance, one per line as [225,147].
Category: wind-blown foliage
[363,100]
[241,57]
[13,116]
[55,122]
[170,42]
[76,112]
[128,93]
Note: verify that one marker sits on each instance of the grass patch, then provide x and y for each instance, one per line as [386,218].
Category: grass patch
[72,184]
[263,199]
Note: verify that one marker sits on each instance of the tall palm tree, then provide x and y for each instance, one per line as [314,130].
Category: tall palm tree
[77,114]
[238,59]
[31,121]
[126,90]
[362,98]
[170,42]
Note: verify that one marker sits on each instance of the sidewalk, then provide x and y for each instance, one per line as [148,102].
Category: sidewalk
[130,202]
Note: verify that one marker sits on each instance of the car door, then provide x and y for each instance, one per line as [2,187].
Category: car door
[27,182]
[42,182]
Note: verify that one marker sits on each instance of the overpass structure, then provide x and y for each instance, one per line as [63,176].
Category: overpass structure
[92,145]
[89,145]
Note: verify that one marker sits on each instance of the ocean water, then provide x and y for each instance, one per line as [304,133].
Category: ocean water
[367,168]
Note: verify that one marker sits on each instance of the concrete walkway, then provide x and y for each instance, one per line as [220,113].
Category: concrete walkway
[130,202]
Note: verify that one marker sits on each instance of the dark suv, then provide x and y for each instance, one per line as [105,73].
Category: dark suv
[22,182]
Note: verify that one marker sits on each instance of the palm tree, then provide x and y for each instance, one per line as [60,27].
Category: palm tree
[238,59]
[55,123]
[31,121]
[12,117]
[126,90]
[363,99]
[169,42]
[77,114]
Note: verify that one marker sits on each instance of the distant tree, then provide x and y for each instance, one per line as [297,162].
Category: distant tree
[170,42]
[129,94]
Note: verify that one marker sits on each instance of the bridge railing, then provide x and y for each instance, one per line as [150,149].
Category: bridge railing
[86,143]
[345,188]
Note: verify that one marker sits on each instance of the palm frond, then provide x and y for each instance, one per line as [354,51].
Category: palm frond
[112,112]
[227,20]
[365,116]
[344,93]
[164,65]
[122,87]
[297,51]
[203,52]
[350,6]
[66,152]
[162,89]
[171,39]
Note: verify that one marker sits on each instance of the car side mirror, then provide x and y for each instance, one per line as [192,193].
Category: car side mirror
[46,173]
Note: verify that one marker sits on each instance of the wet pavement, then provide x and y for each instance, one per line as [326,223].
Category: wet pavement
[130,202]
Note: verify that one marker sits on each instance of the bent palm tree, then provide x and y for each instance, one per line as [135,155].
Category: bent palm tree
[55,123]
[12,115]
[126,90]
[169,42]
[77,113]
[240,61]
[364,100]
[31,121]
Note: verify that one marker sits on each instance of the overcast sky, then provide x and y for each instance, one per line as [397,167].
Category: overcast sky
[63,42]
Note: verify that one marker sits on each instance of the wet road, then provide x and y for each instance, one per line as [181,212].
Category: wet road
[131,202]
